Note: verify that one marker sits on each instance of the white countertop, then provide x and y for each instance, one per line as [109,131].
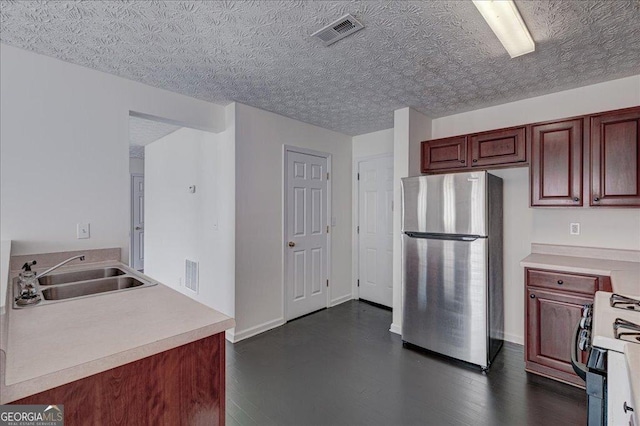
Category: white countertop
[51,345]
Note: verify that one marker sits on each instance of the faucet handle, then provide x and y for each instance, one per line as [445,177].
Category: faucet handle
[27,266]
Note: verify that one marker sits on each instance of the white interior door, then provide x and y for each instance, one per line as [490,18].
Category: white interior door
[375,234]
[306,234]
[137,222]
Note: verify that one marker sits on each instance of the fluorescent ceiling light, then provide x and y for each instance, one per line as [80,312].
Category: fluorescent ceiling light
[505,21]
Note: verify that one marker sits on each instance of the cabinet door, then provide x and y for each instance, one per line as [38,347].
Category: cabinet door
[551,321]
[615,157]
[441,154]
[498,147]
[556,163]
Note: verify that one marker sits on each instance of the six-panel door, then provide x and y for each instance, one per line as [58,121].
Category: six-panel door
[307,228]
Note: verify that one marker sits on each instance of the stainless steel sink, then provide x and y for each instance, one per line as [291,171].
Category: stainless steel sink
[89,274]
[92,281]
[88,288]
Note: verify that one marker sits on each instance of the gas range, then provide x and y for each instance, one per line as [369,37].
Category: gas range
[616,321]
[605,329]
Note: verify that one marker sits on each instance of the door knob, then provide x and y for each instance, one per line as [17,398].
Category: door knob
[139,228]
[292,244]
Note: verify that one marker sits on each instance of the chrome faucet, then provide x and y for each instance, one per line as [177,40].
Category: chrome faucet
[53,268]
[28,282]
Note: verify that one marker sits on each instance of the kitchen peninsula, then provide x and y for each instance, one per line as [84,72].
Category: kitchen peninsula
[141,356]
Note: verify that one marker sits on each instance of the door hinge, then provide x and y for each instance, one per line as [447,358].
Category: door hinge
[357,229]
[358,176]
[327,229]
[327,283]
[327,175]
[358,283]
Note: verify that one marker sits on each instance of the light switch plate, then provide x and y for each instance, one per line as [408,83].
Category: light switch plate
[82,231]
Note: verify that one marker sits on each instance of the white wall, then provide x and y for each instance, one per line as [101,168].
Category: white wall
[260,136]
[136,165]
[197,226]
[409,128]
[603,227]
[64,150]
[374,143]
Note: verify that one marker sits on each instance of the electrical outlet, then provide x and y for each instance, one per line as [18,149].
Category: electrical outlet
[574,229]
[82,231]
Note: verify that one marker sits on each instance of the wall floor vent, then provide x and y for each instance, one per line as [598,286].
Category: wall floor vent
[191,275]
[338,30]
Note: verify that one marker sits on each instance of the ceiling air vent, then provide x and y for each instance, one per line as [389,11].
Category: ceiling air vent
[338,30]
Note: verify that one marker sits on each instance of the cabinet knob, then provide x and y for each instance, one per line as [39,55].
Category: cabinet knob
[596,199]
[576,199]
[475,160]
[533,296]
[462,161]
[627,408]
[560,282]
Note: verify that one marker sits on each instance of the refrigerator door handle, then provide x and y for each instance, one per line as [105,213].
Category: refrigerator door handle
[451,237]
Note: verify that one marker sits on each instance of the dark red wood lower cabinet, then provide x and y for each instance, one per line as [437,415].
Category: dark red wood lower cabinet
[553,307]
[182,386]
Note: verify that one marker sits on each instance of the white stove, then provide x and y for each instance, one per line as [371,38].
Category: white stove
[613,326]
[609,328]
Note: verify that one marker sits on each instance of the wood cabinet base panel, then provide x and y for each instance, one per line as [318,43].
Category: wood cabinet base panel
[553,374]
[181,386]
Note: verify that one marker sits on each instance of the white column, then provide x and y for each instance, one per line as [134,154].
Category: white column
[409,129]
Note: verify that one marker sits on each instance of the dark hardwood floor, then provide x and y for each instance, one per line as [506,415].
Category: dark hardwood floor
[342,366]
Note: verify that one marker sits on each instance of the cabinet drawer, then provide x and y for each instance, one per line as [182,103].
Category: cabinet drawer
[561,281]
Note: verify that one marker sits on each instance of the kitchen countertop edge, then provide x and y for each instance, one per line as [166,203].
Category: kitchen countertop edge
[36,385]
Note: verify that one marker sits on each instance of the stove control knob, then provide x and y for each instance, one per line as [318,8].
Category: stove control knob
[584,340]
[585,322]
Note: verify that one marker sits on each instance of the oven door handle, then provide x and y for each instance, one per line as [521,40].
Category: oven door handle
[578,367]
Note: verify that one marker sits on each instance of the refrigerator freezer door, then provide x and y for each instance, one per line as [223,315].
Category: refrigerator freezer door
[445,297]
[445,204]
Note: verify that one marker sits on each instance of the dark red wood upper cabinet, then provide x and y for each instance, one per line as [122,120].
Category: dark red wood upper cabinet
[498,147]
[447,153]
[556,163]
[615,158]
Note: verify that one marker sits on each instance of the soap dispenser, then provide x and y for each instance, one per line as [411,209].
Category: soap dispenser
[28,286]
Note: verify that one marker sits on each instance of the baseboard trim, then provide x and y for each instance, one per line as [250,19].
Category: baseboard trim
[237,336]
[514,338]
[340,300]
[395,328]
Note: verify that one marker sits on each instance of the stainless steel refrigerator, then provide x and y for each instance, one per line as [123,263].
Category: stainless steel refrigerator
[452,265]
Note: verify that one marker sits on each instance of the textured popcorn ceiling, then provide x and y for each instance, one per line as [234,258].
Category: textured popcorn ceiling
[142,132]
[438,57]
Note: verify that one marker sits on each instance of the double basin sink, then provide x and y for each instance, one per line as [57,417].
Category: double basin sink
[87,282]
